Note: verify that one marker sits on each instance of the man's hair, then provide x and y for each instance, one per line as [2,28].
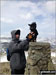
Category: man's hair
[18,32]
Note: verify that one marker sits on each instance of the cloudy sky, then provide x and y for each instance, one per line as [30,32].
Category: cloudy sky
[17,14]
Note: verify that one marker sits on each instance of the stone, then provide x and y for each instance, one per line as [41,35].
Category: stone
[39,58]
[34,70]
[50,65]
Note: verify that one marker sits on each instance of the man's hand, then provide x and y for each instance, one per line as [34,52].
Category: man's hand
[30,36]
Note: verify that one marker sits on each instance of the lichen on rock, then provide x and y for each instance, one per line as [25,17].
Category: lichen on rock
[39,58]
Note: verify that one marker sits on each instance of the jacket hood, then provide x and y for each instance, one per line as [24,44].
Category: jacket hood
[13,34]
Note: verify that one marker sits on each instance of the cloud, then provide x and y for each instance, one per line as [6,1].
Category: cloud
[5,20]
[18,14]
[26,16]
[50,6]
[23,10]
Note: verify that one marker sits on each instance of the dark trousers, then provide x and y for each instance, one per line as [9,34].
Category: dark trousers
[17,72]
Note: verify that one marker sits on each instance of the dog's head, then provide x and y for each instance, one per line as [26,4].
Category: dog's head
[32,26]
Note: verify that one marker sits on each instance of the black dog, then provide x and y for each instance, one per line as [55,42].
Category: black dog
[33,30]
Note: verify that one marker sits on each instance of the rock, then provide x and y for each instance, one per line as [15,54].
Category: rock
[50,65]
[39,56]
[34,70]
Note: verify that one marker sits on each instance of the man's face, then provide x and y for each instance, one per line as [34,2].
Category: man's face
[17,36]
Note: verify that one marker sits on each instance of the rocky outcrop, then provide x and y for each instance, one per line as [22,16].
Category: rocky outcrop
[39,58]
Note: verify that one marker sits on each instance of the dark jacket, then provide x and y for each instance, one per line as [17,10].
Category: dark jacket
[16,50]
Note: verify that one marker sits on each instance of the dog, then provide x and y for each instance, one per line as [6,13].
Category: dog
[33,31]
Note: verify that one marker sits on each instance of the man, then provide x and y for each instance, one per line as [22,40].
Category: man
[16,50]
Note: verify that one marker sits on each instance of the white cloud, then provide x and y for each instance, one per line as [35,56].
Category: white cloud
[50,6]
[6,20]
[20,10]
[23,12]
[25,4]
[26,16]
[2,3]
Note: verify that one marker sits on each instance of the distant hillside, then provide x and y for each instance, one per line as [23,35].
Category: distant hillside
[4,41]
[3,46]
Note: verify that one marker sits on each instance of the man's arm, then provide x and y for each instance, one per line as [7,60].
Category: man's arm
[25,45]
[18,47]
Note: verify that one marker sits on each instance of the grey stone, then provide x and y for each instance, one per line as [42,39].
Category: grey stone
[39,58]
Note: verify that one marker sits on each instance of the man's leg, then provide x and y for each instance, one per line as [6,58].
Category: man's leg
[12,72]
[20,72]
